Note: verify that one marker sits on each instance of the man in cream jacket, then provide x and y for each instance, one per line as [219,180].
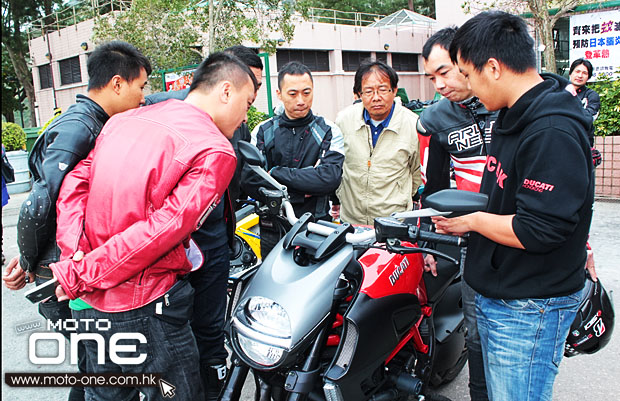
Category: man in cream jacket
[381,171]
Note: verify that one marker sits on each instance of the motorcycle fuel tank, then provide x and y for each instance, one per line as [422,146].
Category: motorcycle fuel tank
[390,273]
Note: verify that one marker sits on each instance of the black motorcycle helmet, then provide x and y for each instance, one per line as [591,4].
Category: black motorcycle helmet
[591,330]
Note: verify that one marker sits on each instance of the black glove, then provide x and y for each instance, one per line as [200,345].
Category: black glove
[597,158]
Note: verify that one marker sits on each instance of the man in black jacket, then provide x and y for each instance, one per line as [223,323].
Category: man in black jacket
[458,129]
[527,252]
[117,75]
[303,151]
[579,73]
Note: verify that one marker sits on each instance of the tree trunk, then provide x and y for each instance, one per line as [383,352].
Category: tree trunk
[9,116]
[211,28]
[18,59]
[546,36]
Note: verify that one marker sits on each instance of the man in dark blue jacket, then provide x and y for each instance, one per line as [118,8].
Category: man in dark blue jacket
[303,151]
[527,251]
[117,75]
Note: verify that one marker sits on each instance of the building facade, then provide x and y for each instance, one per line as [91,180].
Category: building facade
[331,50]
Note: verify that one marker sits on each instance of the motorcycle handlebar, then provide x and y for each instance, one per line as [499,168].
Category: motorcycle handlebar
[430,236]
[369,235]
[352,238]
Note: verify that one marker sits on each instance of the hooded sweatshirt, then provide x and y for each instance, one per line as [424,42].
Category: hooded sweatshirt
[540,169]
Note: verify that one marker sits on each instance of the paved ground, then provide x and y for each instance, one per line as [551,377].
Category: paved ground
[583,378]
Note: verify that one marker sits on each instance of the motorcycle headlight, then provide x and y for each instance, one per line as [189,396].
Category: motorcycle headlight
[263,331]
[268,317]
[263,354]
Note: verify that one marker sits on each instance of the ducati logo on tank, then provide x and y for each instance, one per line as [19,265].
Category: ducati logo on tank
[398,271]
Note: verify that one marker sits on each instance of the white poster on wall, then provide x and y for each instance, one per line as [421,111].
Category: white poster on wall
[596,38]
[179,80]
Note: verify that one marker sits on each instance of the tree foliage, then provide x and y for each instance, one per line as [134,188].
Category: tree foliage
[16,14]
[12,92]
[175,33]
[608,121]
[159,28]
[255,117]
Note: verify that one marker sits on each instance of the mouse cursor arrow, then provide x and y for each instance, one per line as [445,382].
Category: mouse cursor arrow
[167,389]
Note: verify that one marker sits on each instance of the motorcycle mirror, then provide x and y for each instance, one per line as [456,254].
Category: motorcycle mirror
[251,154]
[458,202]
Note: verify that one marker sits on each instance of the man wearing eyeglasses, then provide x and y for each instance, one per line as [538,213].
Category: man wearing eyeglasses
[381,171]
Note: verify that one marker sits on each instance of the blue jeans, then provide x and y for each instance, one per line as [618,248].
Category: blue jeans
[477,381]
[523,343]
[170,348]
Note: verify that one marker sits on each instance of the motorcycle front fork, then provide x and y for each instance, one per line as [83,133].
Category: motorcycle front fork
[234,383]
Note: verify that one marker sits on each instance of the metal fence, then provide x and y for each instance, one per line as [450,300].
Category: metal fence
[328,16]
[78,12]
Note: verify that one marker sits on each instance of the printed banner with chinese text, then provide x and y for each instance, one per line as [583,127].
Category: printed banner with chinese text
[596,37]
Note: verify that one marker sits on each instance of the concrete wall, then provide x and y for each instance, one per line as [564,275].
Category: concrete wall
[333,89]
[63,44]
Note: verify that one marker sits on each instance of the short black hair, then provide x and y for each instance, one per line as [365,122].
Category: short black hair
[115,58]
[373,66]
[442,38]
[221,66]
[293,68]
[247,55]
[581,61]
[498,35]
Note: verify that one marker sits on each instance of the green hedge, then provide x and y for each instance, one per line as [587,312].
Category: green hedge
[608,121]
[255,117]
[13,137]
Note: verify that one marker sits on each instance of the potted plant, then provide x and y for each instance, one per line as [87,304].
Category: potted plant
[14,141]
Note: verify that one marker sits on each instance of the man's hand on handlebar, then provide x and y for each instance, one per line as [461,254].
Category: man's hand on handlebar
[335,212]
[454,226]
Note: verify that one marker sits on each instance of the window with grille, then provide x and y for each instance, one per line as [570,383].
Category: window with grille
[315,60]
[382,57]
[405,61]
[70,72]
[45,76]
[352,60]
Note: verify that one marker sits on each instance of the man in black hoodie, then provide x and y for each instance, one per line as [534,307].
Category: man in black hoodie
[527,252]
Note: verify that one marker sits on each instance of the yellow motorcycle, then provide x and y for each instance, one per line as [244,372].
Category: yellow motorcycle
[246,243]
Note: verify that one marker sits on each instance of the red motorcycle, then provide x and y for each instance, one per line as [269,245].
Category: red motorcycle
[337,313]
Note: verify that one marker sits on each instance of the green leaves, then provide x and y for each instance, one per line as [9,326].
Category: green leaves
[608,121]
[175,33]
[13,137]
[163,30]
[255,117]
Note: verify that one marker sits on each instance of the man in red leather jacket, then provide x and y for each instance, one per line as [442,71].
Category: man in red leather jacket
[125,215]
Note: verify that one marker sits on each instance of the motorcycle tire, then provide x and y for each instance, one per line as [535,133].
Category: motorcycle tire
[446,376]
[435,397]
